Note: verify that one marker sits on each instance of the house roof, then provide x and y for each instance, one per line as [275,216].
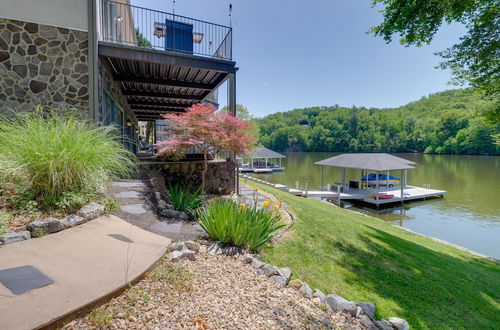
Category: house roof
[263,152]
[368,161]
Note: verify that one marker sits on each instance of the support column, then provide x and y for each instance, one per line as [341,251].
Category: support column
[343,177]
[322,179]
[377,178]
[402,183]
[93,61]
[231,102]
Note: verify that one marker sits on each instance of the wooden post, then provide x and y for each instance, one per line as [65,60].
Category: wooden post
[401,182]
[306,189]
[343,177]
[378,173]
[322,179]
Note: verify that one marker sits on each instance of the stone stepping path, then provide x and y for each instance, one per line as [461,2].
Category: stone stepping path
[136,208]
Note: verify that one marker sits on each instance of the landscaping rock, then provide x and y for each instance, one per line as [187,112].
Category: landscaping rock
[179,246]
[296,284]
[286,273]
[74,220]
[91,211]
[368,308]
[279,280]
[215,249]
[359,311]
[257,264]
[203,249]
[162,204]
[169,213]
[338,303]
[15,237]
[184,254]
[367,322]
[383,325]
[193,246]
[318,294]
[46,226]
[398,323]
[219,248]
[245,258]
[158,196]
[306,291]
[268,270]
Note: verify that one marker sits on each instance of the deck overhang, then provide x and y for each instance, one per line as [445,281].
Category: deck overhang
[156,81]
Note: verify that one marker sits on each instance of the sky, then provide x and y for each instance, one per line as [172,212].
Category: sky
[294,54]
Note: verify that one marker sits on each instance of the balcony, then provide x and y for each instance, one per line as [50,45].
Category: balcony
[125,24]
[163,62]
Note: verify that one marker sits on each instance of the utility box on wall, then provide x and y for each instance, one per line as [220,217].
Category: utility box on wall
[179,37]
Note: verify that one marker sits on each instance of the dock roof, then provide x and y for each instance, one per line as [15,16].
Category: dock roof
[263,152]
[368,161]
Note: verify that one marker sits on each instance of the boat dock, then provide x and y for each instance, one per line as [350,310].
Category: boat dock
[362,195]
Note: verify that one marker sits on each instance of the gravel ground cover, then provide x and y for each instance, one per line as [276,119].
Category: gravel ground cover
[213,292]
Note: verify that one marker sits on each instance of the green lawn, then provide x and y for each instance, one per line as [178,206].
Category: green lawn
[431,285]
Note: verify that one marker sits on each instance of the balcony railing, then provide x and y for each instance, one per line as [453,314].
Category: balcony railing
[136,26]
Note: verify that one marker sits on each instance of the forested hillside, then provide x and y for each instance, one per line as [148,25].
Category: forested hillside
[445,122]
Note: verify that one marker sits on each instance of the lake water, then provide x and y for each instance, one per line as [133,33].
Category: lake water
[468,215]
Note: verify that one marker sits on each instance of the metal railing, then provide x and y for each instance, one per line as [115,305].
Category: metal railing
[137,26]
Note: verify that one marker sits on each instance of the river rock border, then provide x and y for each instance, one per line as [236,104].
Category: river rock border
[52,225]
[364,311]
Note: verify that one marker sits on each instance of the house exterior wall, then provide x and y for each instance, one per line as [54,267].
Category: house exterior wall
[113,107]
[71,14]
[115,22]
[42,65]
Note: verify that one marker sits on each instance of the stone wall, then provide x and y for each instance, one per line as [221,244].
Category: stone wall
[220,177]
[42,65]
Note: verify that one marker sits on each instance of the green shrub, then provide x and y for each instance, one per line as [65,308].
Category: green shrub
[184,200]
[4,219]
[239,225]
[111,204]
[67,160]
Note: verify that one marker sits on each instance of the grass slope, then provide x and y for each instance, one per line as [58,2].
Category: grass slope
[432,285]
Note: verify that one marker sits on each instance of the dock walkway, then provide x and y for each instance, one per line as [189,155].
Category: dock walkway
[410,193]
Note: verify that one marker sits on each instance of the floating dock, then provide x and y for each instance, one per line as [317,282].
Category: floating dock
[261,170]
[361,195]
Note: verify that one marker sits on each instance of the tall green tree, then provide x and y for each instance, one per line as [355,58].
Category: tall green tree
[446,122]
[474,60]
[142,41]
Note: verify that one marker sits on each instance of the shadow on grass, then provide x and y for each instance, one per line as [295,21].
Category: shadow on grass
[432,289]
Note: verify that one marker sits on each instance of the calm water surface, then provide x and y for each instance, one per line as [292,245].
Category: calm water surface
[469,215]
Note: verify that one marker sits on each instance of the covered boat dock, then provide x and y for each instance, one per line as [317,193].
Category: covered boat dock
[376,188]
[261,160]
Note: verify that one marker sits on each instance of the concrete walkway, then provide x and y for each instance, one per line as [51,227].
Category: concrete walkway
[85,263]
[136,208]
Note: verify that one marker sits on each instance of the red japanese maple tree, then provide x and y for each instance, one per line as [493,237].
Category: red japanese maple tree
[207,129]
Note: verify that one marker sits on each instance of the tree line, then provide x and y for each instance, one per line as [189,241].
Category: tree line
[449,122]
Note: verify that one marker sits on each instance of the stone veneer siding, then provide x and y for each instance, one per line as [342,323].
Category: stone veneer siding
[220,177]
[42,65]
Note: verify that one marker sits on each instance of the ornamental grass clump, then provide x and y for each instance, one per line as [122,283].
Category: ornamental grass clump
[62,160]
[184,200]
[237,224]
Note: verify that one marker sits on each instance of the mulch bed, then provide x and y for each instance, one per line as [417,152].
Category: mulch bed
[213,292]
